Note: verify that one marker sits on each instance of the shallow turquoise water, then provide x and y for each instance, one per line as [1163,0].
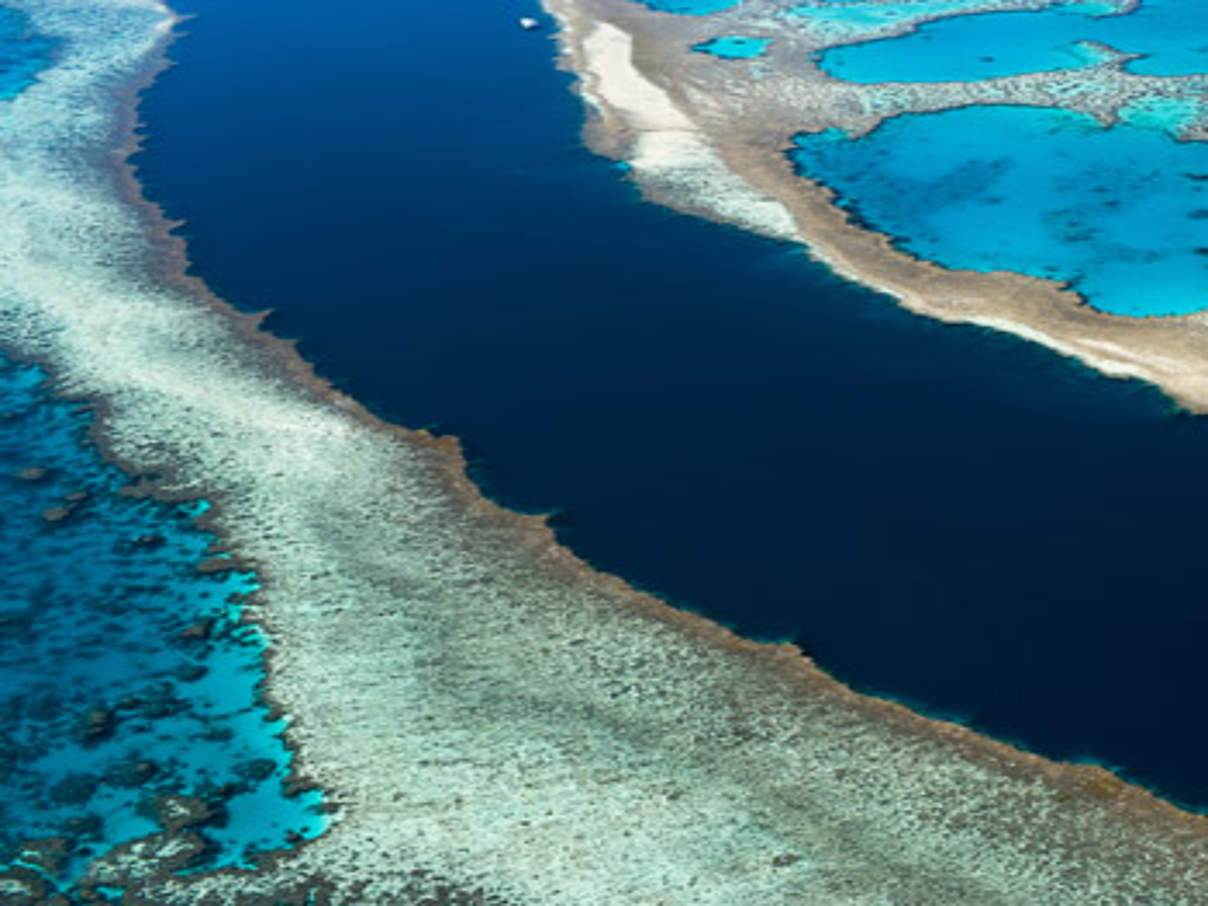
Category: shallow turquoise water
[1170,115]
[92,609]
[1121,213]
[1172,33]
[734,47]
[690,7]
[22,54]
[852,19]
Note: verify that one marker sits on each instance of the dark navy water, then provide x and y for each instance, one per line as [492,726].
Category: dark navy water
[941,514]
[125,673]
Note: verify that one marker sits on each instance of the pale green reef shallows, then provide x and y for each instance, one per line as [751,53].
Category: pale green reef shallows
[494,722]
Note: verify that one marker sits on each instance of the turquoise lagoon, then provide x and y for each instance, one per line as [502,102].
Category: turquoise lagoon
[1172,35]
[1120,213]
[690,7]
[857,19]
[125,673]
[734,47]
[969,48]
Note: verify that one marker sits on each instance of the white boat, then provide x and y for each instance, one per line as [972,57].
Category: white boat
[529,24]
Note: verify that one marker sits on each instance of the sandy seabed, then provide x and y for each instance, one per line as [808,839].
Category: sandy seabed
[492,720]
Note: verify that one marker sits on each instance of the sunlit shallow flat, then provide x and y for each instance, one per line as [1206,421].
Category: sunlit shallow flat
[1122,213]
[1171,34]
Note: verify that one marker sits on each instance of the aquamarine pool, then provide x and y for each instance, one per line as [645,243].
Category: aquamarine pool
[843,20]
[1120,213]
[1173,35]
[734,47]
[690,7]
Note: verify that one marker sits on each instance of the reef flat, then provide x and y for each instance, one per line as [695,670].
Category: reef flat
[685,120]
[493,721]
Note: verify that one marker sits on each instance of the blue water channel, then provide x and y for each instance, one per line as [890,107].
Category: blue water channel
[942,514]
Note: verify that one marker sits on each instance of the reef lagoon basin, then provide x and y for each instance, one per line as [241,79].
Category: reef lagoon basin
[1165,36]
[1119,212]
[639,463]
[127,680]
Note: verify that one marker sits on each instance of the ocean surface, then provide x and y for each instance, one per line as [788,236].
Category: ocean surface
[940,514]
[125,673]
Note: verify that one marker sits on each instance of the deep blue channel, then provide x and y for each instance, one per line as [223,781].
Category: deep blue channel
[941,514]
